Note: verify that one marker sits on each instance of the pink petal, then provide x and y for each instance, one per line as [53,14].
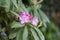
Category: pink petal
[35,21]
[25,17]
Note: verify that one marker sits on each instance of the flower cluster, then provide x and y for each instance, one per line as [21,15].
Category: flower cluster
[25,17]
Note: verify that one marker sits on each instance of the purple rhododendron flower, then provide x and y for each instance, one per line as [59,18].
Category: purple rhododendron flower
[35,21]
[25,17]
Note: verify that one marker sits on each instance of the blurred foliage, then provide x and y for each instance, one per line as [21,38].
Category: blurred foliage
[52,9]
[11,28]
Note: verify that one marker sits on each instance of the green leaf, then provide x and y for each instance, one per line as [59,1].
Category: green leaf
[25,34]
[7,5]
[44,18]
[19,6]
[23,6]
[14,13]
[34,34]
[37,14]
[15,3]
[40,34]
[12,35]
[16,25]
[19,34]
[2,3]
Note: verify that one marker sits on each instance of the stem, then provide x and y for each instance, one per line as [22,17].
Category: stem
[40,1]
